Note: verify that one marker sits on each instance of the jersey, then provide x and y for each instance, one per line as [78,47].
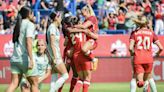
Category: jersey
[143,45]
[42,64]
[53,30]
[94,27]
[27,29]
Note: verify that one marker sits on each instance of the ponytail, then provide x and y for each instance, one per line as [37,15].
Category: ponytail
[17,29]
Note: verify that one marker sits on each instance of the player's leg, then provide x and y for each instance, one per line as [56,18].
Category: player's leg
[15,79]
[133,85]
[63,72]
[139,70]
[33,80]
[24,85]
[148,78]
[68,69]
[54,78]
[87,47]
[79,83]
[74,78]
[87,79]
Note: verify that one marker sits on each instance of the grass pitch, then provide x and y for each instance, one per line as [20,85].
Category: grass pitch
[97,87]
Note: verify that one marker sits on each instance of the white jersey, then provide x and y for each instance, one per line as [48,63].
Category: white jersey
[53,30]
[42,64]
[27,29]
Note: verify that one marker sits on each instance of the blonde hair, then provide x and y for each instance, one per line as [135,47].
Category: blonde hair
[89,8]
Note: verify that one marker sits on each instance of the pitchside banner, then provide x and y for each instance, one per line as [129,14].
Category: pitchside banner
[108,45]
[109,70]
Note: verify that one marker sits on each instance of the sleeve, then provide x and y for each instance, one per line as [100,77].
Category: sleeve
[30,30]
[53,30]
[49,66]
[155,38]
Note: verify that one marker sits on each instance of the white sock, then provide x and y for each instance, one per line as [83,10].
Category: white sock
[54,78]
[133,85]
[145,87]
[152,85]
[59,82]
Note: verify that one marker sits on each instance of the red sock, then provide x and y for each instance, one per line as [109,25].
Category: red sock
[73,83]
[86,86]
[60,89]
[78,86]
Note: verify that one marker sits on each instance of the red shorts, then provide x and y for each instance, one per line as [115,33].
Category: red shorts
[143,68]
[82,62]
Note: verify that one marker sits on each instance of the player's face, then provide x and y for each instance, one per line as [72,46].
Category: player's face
[84,11]
[41,46]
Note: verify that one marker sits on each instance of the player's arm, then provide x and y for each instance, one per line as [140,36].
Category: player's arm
[93,35]
[84,25]
[131,47]
[52,44]
[75,30]
[159,46]
[48,72]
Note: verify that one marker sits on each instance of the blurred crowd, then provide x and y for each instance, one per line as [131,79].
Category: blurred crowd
[113,15]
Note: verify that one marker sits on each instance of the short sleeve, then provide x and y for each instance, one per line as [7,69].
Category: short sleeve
[52,30]
[155,38]
[30,30]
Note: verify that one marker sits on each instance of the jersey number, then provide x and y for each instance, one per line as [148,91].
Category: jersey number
[78,35]
[144,41]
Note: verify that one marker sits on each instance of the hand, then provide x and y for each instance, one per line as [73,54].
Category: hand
[31,64]
[54,62]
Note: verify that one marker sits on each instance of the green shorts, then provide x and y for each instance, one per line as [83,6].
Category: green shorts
[19,67]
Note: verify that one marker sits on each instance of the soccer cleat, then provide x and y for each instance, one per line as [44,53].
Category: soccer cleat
[95,64]
[140,84]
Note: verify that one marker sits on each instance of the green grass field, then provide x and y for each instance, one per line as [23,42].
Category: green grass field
[98,87]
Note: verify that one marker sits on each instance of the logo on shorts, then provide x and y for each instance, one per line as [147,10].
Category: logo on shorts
[8,48]
[118,48]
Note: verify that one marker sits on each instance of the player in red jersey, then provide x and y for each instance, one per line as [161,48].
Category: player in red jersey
[141,48]
[90,23]
[68,52]
[82,62]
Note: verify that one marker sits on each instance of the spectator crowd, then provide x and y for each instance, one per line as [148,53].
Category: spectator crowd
[113,15]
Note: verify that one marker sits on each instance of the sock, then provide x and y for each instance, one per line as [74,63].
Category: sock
[59,82]
[73,83]
[86,86]
[140,84]
[152,85]
[133,85]
[54,78]
[145,87]
[78,86]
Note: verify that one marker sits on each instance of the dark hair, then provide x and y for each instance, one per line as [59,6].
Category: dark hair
[50,19]
[22,14]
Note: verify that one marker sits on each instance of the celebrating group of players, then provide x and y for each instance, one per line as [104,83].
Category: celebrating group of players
[80,40]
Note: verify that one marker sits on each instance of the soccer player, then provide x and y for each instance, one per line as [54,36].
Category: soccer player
[141,49]
[22,60]
[90,23]
[53,37]
[42,67]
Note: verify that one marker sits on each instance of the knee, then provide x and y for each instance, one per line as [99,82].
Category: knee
[65,76]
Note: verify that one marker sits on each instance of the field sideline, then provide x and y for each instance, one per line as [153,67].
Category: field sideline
[98,87]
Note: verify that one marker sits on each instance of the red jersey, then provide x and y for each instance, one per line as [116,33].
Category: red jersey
[143,45]
[94,26]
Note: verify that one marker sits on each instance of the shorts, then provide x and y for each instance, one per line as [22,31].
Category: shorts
[82,62]
[19,67]
[33,72]
[143,68]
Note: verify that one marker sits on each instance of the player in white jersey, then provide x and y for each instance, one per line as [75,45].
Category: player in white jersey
[22,60]
[53,38]
[42,67]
